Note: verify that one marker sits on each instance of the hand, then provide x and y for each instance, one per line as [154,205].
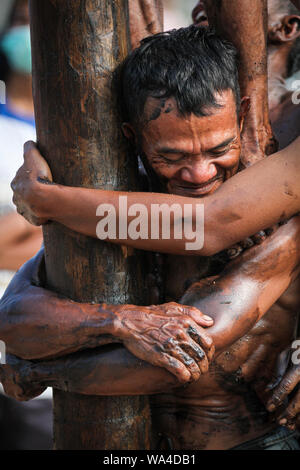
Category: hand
[257,141]
[27,184]
[288,389]
[249,242]
[169,336]
[16,381]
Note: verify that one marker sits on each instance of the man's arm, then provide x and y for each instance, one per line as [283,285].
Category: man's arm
[145,18]
[249,286]
[244,24]
[35,323]
[252,200]
[237,299]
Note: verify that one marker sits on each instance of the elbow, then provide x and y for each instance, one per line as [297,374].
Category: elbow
[11,329]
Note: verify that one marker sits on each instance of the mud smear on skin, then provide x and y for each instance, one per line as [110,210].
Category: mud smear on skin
[163,107]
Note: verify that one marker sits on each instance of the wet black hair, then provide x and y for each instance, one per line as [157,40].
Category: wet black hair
[189,64]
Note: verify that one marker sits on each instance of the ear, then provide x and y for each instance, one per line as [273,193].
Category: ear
[287,30]
[128,131]
[245,106]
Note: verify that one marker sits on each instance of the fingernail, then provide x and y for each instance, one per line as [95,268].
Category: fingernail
[207,318]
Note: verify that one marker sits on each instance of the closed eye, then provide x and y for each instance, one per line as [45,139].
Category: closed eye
[220,153]
[176,158]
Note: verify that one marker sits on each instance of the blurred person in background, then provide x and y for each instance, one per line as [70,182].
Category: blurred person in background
[18,242]
[22,425]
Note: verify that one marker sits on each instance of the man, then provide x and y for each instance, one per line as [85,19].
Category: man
[186,127]
[283,52]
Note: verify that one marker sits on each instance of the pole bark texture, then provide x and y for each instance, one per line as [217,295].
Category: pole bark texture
[76,46]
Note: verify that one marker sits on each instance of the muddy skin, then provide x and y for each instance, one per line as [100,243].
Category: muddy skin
[283,30]
[244,24]
[245,349]
[145,18]
[221,409]
[225,406]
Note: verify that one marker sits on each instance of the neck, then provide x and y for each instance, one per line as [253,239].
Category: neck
[19,92]
[277,72]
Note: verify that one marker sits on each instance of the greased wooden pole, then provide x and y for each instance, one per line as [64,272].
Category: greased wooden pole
[76,45]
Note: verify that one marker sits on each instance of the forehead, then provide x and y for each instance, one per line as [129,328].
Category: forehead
[165,125]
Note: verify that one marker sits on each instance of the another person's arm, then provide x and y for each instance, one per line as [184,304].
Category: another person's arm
[241,295]
[252,200]
[288,390]
[145,18]
[244,24]
[36,323]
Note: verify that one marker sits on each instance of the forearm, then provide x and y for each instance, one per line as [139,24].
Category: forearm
[145,18]
[252,200]
[101,371]
[55,326]
[244,24]
[246,290]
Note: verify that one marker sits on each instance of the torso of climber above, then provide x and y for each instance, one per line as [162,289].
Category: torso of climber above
[214,387]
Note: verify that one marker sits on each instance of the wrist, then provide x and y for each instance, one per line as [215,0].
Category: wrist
[116,324]
[45,199]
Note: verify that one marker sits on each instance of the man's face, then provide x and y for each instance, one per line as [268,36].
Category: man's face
[191,156]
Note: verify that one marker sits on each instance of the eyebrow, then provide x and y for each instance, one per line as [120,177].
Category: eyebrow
[168,150]
[223,144]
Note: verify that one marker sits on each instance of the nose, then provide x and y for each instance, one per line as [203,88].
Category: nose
[199,172]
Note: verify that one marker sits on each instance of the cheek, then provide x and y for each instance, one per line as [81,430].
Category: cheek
[164,170]
[230,162]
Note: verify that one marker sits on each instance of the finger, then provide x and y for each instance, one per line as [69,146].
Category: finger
[195,352]
[29,146]
[200,337]
[286,386]
[198,316]
[269,231]
[172,348]
[175,367]
[234,251]
[291,411]
[247,243]
[259,237]
[35,161]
